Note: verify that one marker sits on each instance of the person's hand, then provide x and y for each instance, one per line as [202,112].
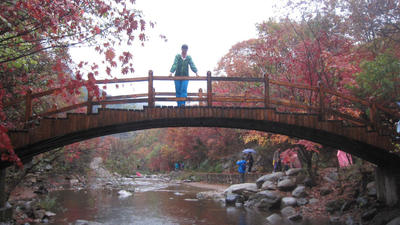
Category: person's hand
[170,74]
[197,74]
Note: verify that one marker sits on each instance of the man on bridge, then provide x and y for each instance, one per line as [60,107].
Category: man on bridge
[181,68]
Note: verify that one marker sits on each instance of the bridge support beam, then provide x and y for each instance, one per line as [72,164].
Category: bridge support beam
[6,212]
[2,187]
[387,186]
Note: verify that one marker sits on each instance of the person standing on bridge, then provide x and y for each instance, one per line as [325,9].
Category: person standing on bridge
[181,68]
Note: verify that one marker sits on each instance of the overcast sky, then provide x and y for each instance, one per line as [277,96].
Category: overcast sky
[209,27]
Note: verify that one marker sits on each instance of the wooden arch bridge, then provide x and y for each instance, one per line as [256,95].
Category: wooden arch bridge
[319,121]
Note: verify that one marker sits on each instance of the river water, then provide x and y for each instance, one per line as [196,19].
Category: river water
[152,203]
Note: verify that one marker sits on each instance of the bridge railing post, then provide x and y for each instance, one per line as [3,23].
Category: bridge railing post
[209,89]
[373,116]
[321,113]
[28,106]
[89,109]
[266,91]
[150,90]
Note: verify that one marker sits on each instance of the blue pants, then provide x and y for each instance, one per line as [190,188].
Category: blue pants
[181,90]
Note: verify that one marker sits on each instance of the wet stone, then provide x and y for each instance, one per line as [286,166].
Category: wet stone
[395,221]
[274,219]
[269,177]
[295,217]
[238,204]
[294,171]
[308,182]
[368,215]
[231,199]
[288,211]
[286,185]
[250,203]
[299,191]
[288,201]
[240,188]
[302,201]
[85,222]
[268,185]
[266,194]
[267,203]
[49,214]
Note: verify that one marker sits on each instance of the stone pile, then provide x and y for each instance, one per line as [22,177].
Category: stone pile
[282,191]
[286,193]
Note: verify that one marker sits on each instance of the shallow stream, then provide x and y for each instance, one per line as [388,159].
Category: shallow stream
[152,203]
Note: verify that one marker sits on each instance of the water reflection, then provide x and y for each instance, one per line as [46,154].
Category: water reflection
[158,204]
[172,205]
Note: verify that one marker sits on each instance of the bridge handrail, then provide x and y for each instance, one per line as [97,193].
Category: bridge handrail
[210,97]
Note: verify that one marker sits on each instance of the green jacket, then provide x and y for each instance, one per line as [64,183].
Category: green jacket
[181,67]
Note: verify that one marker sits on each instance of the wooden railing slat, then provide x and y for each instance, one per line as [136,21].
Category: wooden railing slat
[347,97]
[64,109]
[299,86]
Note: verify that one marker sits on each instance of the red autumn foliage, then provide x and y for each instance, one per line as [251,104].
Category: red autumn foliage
[32,30]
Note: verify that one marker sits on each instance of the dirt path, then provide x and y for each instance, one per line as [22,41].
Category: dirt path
[216,187]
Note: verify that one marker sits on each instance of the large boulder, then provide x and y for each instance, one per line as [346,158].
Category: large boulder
[288,201]
[266,203]
[265,199]
[286,185]
[240,188]
[269,177]
[294,171]
[232,198]
[269,185]
[266,194]
[288,211]
[299,191]
[395,221]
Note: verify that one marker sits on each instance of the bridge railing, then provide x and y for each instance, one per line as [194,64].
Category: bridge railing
[323,106]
